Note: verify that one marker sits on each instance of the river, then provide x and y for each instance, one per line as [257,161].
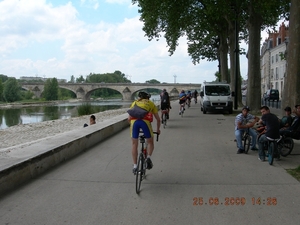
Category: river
[35,114]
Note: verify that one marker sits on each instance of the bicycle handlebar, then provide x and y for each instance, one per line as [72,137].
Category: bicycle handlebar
[154,132]
[157,134]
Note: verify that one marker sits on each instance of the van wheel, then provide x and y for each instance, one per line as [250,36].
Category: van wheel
[204,110]
[230,111]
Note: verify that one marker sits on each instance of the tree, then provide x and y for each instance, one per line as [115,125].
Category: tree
[80,79]
[291,94]
[3,78]
[1,90]
[11,90]
[259,14]
[72,80]
[51,89]
[152,81]
[204,24]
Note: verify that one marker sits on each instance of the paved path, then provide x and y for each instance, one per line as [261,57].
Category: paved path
[197,178]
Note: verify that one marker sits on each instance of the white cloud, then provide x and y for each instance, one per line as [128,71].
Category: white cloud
[98,48]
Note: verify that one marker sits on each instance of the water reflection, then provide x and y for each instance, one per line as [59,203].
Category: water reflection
[36,114]
[12,117]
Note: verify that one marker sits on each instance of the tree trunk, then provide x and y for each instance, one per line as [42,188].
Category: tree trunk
[223,58]
[291,93]
[254,78]
[231,44]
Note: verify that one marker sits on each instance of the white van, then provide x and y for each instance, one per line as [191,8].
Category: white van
[216,96]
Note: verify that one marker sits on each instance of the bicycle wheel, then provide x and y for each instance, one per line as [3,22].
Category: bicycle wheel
[285,146]
[139,173]
[247,141]
[164,120]
[271,153]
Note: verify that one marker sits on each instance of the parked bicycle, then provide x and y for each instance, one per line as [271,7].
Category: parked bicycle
[272,150]
[246,139]
[142,162]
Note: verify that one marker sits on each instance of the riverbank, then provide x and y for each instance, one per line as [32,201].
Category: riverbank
[23,135]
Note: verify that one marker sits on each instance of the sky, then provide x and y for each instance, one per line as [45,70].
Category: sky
[61,38]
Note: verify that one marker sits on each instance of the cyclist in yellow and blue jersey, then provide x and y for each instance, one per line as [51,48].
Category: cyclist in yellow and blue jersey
[143,124]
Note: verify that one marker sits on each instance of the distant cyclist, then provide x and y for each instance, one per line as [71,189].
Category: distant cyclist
[143,124]
[182,99]
[195,95]
[165,103]
[188,98]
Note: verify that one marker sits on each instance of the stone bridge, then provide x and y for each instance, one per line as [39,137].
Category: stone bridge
[84,90]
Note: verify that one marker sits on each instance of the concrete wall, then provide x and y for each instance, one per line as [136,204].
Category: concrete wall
[31,161]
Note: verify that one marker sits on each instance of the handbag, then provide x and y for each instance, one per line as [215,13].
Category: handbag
[137,112]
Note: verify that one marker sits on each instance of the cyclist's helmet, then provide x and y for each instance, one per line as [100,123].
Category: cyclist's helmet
[246,107]
[144,95]
[182,91]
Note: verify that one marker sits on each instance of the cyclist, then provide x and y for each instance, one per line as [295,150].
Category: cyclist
[272,130]
[165,103]
[143,124]
[195,95]
[241,124]
[188,98]
[182,98]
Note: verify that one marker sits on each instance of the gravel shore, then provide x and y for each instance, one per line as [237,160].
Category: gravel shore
[25,134]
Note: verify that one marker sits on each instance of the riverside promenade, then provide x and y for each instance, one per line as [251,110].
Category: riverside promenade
[197,178]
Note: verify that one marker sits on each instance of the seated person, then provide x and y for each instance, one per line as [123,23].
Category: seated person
[294,130]
[269,120]
[92,121]
[241,124]
[286,121]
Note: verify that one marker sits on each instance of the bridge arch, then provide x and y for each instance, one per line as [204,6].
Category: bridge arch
[83,90]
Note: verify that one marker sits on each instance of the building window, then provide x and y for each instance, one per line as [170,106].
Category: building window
[272,59]
[276,57]
[276,73]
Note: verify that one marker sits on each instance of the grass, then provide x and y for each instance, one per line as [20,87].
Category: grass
[86,109]
[295,172]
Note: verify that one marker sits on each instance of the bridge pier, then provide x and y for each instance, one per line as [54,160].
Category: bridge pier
[127,94]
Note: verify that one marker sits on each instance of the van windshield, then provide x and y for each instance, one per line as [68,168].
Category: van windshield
[218,90]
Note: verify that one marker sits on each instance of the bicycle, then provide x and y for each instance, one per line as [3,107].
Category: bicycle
[164,117]
[181,109]
[272,149]
[285,145]
[142,162]
[188,102]
[246,139]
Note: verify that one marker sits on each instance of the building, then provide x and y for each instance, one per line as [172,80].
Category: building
[273,60]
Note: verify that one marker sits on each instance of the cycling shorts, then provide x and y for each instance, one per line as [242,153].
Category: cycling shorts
[164,106]
[137,125]
[181,102]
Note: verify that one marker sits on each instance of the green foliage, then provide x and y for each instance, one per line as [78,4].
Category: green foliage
[51,89]
[80,79]
[152,81]
[64,94]
[27,95]
[116,77]
[11,90]
[1,90]
[3,78]
[85,109]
